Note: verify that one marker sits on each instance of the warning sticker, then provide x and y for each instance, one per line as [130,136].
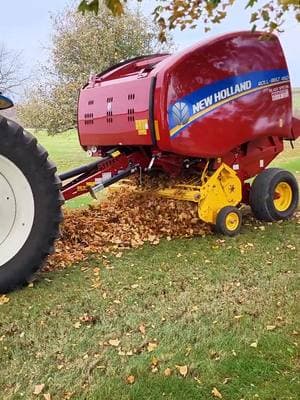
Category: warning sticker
[280,92]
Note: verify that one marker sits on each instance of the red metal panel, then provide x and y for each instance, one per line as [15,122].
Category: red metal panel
[108,112]
[237,121]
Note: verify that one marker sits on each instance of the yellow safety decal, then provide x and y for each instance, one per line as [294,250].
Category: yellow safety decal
[115,153]
[141,125]
[156,127]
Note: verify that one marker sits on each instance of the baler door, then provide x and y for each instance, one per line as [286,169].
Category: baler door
[115,112]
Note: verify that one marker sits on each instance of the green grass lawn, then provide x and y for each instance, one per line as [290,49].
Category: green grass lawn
[227,309]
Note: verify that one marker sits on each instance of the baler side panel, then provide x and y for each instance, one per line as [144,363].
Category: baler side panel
[220,65]
[115,112]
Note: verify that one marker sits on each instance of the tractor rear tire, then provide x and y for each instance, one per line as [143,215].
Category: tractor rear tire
[30,206]
[274,195]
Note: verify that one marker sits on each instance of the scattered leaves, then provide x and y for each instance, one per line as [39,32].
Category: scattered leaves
[151,346]
[270,327]
[182,369]
[38,389]
[114,342]
[4,299]
[115,224]
[167,372]
[142,329]
[216,393]
[130,379]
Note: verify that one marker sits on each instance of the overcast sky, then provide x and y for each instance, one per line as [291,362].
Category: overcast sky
[26,27]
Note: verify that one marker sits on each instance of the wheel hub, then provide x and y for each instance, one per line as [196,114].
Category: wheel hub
[283,196]
[16,210]
[232,221]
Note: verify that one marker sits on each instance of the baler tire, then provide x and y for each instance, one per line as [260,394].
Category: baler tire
[20,153]
[224,226]
[263,195]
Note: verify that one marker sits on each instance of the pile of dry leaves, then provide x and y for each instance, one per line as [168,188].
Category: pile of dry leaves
[126,219]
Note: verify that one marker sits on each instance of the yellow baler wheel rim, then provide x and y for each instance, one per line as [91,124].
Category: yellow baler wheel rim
[283,196]
[232,221]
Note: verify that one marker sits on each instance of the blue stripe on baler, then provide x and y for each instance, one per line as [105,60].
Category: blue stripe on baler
[259,80]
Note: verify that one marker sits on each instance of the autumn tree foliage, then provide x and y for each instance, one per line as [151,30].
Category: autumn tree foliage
[82,45]
[169,14]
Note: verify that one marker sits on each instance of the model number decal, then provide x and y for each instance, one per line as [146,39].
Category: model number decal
[281,92]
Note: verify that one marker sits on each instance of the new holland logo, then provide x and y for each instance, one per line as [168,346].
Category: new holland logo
[180,113]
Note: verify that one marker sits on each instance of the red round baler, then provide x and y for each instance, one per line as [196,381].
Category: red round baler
[219,110]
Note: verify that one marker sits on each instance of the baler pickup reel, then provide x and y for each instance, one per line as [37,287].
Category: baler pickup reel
[215,192]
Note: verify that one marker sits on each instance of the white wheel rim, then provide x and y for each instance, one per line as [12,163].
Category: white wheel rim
[16,210]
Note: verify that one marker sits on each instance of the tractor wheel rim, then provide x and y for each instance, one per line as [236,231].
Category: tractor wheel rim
[283,196]
[232,221]
[16,210]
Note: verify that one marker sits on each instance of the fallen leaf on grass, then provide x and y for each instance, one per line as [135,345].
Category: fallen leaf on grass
[216,393]
[167,372]
[77,325]
[114,342]
[270,327]
[151,346]
[130,379]
[182,369]
[47,396]
[38,389]
[254,344]
[134,286]
[142,329]
[4,299]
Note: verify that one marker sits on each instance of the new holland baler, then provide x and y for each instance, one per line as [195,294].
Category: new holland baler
[217,113]
[213,116]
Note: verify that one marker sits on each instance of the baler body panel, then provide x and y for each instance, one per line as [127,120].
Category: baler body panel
[115,112]
[218,95]
[113,108]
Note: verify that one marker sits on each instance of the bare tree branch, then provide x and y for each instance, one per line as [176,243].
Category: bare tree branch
[10,70]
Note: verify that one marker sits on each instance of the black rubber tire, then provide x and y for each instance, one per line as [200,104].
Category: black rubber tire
[262,194]
[22,149]
[221,227]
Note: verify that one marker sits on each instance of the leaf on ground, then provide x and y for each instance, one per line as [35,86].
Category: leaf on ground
[47,396]
[216,393]
[151,346]
[270,327]
[114,342]
[38,389]
[226,380]
[182,369]
[4,299]
[142,329]
[167,372]
[130,379]
[254,344]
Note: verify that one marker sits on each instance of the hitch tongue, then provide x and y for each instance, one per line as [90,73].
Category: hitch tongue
[110,181]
